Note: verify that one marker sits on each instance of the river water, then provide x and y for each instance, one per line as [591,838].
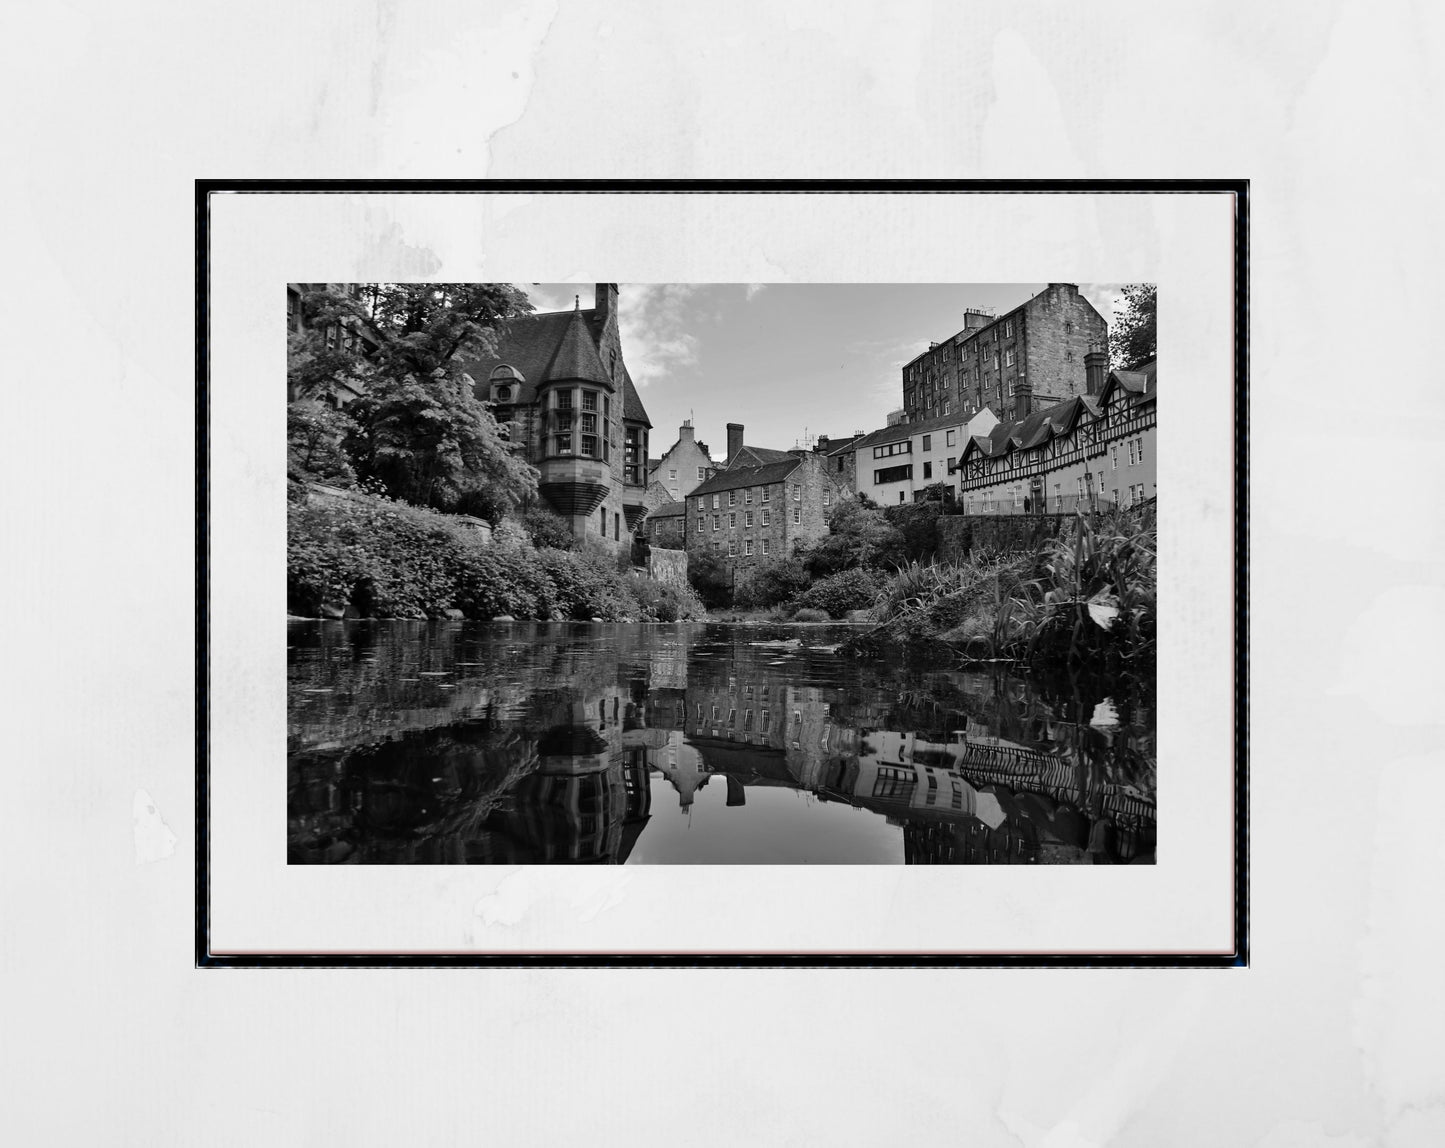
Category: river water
[703,743]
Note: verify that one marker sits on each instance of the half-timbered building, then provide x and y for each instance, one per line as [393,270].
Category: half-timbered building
[1090,452]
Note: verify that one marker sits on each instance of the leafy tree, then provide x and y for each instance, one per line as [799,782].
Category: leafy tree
[313,444]
[859,535]
[419,429]
[433,444]
[1133,342]
[771,583]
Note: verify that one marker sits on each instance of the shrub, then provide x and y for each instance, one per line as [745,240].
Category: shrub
[771,583]
[709,577]
[845,591]
[859,535]
[807,614]
[546,528]
[663,602]
[586,587]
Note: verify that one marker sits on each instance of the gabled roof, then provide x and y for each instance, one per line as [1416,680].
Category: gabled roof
[761,456]
[747,476]
[842,445]
[530,343]
[669,510]
[576,356]
[1059,419]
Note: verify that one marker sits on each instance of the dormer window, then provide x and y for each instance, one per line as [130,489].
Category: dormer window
[504,394]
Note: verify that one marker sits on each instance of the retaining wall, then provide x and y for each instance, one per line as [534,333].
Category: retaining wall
[667,566]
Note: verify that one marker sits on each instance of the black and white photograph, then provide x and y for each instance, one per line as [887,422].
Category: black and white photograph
[721,573]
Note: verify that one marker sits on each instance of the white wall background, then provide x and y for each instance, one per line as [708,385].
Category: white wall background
[1333,1037]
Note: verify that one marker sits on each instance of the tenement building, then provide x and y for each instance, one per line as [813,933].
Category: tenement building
[559,384]
[683,465]
[1017,363]
[665,526]
[1090,452]
[898,463]
[750,514]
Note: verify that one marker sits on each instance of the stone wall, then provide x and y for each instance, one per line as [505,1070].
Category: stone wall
[668,567]
[959,534]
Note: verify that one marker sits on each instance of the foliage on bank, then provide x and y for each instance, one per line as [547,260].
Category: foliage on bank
[386,559]
[1087,596]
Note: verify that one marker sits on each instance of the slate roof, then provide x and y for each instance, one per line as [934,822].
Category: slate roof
[762,454]
[1039,427]
[902,431]
[669,510]
[746,476]
[532,344]
[842,445]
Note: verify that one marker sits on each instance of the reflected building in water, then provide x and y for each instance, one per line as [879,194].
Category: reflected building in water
[572,770]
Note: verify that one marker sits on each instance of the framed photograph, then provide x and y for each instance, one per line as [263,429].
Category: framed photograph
[722,573]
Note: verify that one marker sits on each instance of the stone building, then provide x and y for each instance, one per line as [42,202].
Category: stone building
[664,526]
[683,465]
[559,383]
[1015,364]
[1093,451]
[898,463]
[751,514]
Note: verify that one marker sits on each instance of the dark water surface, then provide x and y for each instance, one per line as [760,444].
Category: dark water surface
[531,743]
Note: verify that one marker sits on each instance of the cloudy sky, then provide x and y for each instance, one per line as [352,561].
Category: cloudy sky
[785,360]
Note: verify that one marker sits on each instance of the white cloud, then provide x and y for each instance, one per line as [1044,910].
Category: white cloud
[754,289]
[1107,298]
[655,323]
[551,297]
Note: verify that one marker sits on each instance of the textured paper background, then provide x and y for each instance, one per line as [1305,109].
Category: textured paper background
[1333,1037]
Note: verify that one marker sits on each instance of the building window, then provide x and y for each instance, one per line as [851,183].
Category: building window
[945,406]
[995,360]
[893,448]
[1114,457]
[765,550]
[732,549]
[733,520]
[928,470]
[748,518]
[589,445]
[952,464]
[797,517]
[892,474]
[732,498]
[840,464]
[714,501]
[604,522]
[767,495]
[1008,357]
[766,518]
[617,527]
[701,505]
[701,525]
[748,548]
[701,473]
[672,472]
[927,442]
[589,400]
[1141,450]
[949,438]
[715,522]
[900,495]
[827,500]
[748,496]
[797,492]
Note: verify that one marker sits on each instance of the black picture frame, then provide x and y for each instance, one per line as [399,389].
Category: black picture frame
[205,189]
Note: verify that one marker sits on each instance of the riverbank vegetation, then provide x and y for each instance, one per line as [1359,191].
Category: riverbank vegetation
[1083,596]
[368,555]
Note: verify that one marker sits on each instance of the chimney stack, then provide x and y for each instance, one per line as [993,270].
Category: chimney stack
[684,432]
[735,441]
[1096,371]
[605,302]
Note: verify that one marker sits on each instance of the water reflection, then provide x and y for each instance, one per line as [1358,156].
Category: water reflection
[566,743]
